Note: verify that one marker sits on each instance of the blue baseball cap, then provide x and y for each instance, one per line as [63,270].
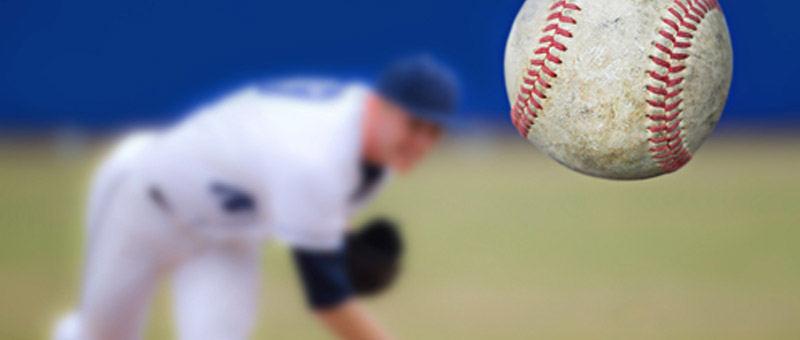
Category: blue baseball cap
[421,86]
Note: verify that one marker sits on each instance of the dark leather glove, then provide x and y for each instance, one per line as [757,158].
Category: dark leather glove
[374,256]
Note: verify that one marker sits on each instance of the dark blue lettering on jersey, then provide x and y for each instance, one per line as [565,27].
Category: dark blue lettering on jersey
[233,200]
[315,90]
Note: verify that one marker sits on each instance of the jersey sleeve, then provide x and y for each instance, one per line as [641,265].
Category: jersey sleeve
[324,277]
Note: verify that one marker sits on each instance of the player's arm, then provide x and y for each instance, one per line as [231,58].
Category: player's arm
[350,321]
[331,296]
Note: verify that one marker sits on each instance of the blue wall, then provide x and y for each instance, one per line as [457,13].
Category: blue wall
[101,63]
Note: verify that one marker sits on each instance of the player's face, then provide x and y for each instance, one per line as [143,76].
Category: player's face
[411,139]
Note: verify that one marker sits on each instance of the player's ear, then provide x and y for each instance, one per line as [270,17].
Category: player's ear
[375,104]
[371,129]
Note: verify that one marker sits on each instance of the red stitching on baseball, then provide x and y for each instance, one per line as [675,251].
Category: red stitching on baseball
[669,150]
[533,85]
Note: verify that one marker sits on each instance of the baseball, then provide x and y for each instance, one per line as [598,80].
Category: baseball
[619,89]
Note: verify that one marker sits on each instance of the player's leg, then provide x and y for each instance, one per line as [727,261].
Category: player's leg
[124,258]
[217,292]
[122,270]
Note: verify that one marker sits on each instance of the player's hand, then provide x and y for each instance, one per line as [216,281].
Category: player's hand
[374,256]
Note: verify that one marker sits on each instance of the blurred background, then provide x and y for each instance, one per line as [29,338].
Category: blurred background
[505,243]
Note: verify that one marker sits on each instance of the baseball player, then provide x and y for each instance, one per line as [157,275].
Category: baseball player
[288,160]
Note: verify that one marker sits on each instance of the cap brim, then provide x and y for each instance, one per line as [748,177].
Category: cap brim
[443,119]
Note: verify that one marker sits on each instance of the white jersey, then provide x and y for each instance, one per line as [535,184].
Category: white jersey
[280,159]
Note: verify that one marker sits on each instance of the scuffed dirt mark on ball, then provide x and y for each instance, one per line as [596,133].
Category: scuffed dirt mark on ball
[610,23]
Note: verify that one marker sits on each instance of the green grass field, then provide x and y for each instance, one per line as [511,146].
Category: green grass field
[504,244]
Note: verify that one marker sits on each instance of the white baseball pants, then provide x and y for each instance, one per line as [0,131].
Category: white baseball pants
[133,243]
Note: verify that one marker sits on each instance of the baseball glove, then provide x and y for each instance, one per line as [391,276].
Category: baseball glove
[374,256]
